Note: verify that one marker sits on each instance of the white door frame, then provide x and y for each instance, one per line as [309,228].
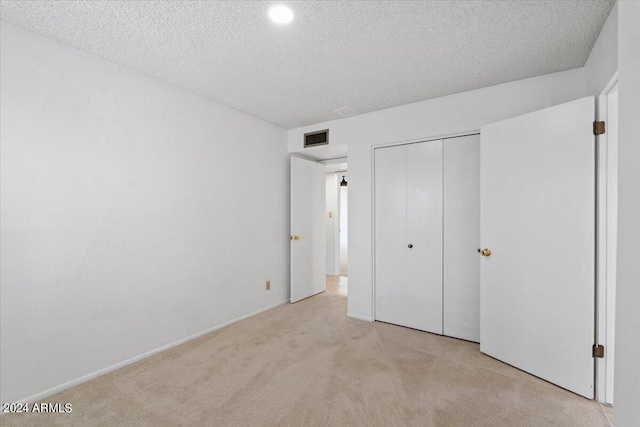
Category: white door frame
[606,226]
[335,207]
[333,196]
[340,174]
[336,230]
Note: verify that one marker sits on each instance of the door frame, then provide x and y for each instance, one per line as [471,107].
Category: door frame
[373,196]
[606,221]
[335,227]
[339,175]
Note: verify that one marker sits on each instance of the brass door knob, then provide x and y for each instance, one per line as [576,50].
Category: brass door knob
[485,252]
[294,237]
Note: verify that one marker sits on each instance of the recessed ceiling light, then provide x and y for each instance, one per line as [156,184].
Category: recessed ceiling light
[281,14]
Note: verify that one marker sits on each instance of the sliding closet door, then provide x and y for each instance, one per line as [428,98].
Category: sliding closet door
[390,234]
[462,237]
[424,236]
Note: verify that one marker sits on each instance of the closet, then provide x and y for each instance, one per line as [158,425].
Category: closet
[427,232]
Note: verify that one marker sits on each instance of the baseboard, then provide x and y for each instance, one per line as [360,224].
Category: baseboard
[39,396]
[357,316]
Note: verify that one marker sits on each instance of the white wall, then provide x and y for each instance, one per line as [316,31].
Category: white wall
[332,225]
[603,60]
[627,373]
[133,214]
[451,114]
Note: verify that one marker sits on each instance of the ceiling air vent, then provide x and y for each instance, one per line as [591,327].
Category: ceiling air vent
[313,139]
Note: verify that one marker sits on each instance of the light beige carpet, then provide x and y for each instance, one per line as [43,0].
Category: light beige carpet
[307,364]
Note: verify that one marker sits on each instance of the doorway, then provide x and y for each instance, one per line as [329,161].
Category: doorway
[315,227]
[343,280]
[344,226]
[337,226]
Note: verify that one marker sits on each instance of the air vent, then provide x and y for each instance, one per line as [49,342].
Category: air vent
[313,139]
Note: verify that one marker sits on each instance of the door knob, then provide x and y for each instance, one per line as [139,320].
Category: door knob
[410,245]
[485,252]
[294,237]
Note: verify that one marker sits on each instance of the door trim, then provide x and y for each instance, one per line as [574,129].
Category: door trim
[606,218]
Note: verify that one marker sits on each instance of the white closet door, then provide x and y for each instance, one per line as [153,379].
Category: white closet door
[424,236]
[462,237]
[390,234]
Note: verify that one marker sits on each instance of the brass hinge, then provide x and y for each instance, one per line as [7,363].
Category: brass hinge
[597,351]
[598,128]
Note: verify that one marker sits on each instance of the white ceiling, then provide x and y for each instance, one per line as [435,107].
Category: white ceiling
[337,58]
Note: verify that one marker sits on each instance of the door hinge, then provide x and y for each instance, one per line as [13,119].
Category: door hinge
[597,351]
[598,128]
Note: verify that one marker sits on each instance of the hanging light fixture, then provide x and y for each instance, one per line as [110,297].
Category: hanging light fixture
[343,183]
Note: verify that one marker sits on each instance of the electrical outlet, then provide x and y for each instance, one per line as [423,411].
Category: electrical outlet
[268,284]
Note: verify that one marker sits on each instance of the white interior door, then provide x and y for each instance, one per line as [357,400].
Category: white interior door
[307,228]
[538,220]
[462,237]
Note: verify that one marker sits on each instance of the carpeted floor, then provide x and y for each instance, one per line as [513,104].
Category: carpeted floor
[307,364]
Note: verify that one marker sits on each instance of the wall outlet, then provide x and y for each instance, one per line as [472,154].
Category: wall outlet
[268,284]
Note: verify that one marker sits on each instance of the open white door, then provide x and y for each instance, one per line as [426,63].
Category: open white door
[307,228]
[538,220]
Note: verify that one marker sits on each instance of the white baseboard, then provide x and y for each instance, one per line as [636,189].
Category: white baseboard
[39,396]
[357,316]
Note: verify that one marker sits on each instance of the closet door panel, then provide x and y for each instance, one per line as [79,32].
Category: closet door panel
[390,234]
[462,237]
[424,233]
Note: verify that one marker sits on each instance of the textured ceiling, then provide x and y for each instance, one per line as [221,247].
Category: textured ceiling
[336,59]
